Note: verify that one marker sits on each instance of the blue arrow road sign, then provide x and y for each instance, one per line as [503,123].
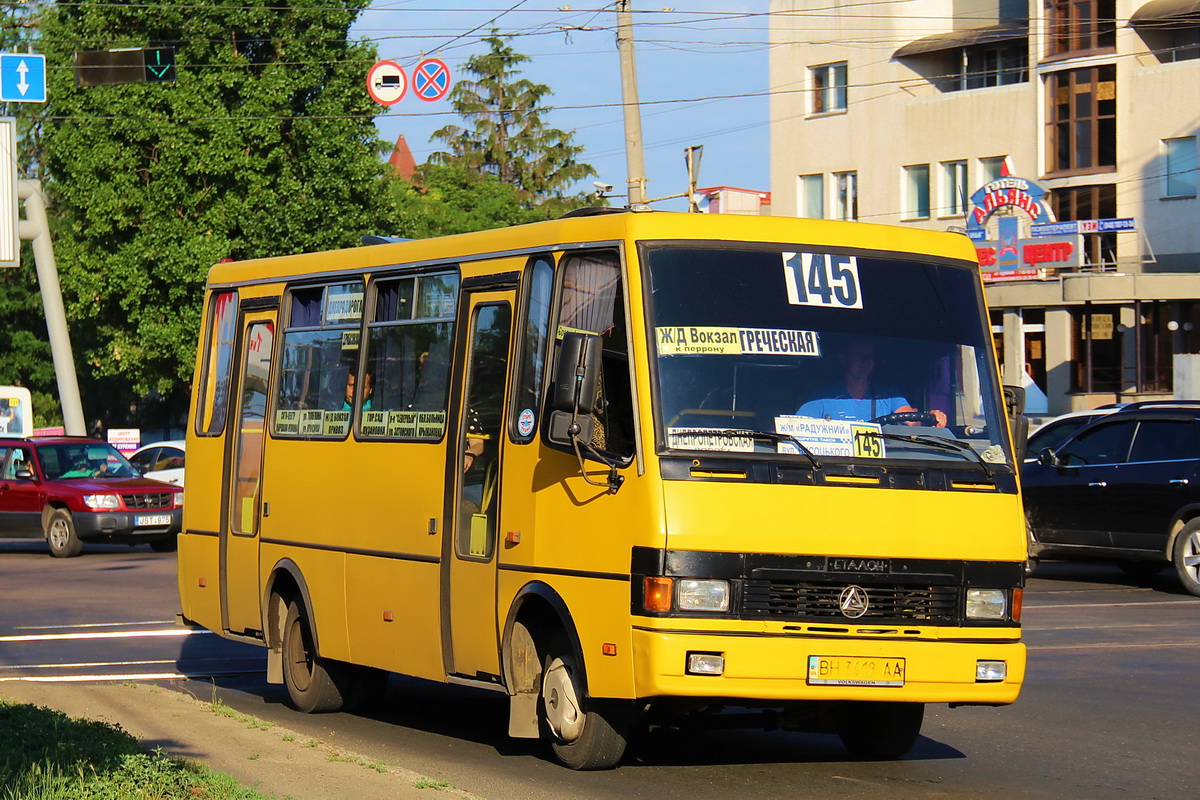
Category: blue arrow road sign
[22,77]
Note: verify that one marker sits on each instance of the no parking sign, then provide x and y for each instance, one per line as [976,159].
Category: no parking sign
[431,79]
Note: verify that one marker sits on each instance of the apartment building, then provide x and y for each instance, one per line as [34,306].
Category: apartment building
[1059,134]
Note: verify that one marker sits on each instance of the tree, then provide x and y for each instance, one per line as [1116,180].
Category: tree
[508,137]
[264,145]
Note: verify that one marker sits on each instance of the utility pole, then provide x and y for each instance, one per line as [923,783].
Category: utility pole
[635,163]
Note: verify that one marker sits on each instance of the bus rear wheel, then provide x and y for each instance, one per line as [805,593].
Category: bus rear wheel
[314,684]
[585,733]
[880,730]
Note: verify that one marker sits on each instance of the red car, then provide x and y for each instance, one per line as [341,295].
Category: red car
[72,490]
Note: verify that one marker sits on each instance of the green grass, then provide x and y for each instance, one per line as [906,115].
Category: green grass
[46,755]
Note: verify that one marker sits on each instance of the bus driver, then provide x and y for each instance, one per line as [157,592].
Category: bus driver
[856,398]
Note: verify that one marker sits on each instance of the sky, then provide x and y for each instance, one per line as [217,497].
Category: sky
[702,79]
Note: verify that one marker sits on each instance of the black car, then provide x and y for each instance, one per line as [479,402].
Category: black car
[1125,486]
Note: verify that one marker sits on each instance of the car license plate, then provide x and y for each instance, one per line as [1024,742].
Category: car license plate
[854,671]
[148,520]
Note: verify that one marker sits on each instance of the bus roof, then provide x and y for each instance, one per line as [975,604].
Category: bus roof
[604,228]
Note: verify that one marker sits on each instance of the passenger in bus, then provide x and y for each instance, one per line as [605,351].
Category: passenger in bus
[856,397]
[368,388]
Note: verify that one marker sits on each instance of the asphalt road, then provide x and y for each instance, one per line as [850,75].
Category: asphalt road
[1108,709]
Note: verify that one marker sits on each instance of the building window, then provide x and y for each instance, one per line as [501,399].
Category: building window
[994,66]
[812,197]
[954,188]
[1090,202]
[1081,26]
[1181,167]
[1171,41]
[829,88]
[1096,340]
[991,169]
[847,195]
[916,192]
[1082,119]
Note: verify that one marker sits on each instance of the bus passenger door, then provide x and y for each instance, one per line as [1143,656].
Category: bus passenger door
[240,592]
[475,520]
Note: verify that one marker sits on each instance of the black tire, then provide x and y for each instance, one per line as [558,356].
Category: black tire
[584,733]
[60,535]
[315,685]
[1141,570]
[167,545]
[1185,555]
[877,731]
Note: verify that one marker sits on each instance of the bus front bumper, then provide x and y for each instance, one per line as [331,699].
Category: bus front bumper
[782,668]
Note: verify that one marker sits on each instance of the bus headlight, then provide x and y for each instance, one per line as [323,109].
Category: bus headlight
[987,603]
[696,595]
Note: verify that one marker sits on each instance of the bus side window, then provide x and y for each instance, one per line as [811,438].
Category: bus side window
[319,375]
[536,330]
[409,346]
[593,301]
[212,402]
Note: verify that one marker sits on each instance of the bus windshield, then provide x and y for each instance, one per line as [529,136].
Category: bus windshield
[824,354]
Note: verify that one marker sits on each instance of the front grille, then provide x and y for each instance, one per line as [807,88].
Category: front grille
[148,500]
[788,600]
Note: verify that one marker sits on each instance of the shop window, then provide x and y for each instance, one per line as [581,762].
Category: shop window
[1082,120]
[1096,345]
[1076,27]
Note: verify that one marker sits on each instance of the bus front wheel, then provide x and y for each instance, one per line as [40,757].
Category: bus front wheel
[585,733]
[314,684]
[880,730]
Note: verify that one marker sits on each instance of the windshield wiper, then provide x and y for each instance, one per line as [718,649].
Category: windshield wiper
[772,436]
[952,445]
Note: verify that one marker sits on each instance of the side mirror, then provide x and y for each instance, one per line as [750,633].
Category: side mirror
[1014,400]
[577,373]
[1018,423]
[1047,458]
[25,474]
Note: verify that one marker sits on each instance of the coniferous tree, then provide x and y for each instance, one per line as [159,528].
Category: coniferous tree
[508,136]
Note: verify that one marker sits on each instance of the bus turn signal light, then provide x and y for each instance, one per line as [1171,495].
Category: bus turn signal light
[657,594]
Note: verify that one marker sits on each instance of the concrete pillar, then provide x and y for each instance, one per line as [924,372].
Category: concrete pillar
[1058,359]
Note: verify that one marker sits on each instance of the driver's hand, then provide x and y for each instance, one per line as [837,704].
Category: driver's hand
[940,416]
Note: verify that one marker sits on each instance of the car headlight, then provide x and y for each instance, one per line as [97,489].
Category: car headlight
[706,595]
[987,603]
[102,502]
[177,500]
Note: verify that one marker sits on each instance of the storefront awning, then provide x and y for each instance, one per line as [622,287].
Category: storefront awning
[1003,32]
[1166,11]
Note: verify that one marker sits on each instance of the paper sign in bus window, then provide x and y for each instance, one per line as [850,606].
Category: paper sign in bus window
[831,437]
[822,279]
[708,439]
[685,340]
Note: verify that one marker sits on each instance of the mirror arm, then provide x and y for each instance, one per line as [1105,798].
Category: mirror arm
[615,479]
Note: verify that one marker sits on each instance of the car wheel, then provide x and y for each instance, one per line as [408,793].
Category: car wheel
[314,684]
[167,545]
[1186,556]
[60,534]
[880,730]
[585,734]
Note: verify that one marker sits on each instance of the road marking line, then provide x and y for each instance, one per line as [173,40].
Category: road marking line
[90,625]
[130,676]
[57,637]
[1125,645]
[1028,628]
[91,664]
[1026,606]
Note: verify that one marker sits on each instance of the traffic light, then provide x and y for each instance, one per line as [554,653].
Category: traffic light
[133,65]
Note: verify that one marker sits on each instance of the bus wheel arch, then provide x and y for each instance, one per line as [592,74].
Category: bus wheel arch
[285,584]
[545,672]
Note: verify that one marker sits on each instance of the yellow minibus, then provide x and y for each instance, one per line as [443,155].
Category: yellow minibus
[626,468]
